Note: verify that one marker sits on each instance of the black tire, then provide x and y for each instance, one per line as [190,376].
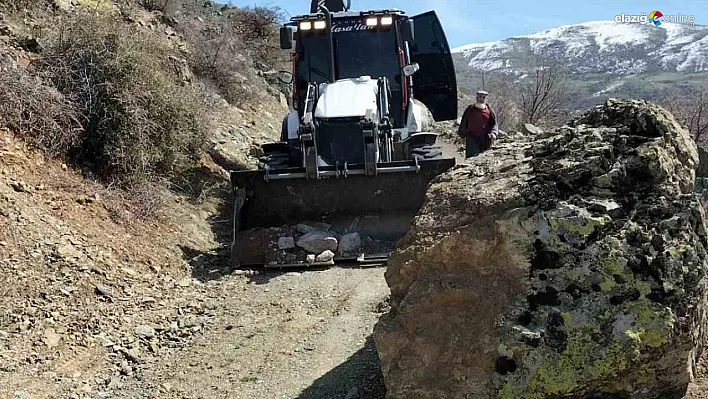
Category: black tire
[274,160]
[425,152]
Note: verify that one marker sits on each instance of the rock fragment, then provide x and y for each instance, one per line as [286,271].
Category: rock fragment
[286,243]
[317,242]
[325,256]
[350,243]
[145,331]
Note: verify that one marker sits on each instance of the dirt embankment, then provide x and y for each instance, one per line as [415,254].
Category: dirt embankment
[97,302]
[94,307]
[88,292]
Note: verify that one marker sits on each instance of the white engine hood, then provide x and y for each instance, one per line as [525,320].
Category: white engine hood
[348,98]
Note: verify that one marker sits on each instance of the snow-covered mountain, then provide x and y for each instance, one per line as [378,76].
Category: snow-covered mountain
[599,47]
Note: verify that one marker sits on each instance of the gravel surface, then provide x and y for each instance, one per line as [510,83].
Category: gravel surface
[279,335]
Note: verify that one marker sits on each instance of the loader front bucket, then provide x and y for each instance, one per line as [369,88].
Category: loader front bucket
[270,203]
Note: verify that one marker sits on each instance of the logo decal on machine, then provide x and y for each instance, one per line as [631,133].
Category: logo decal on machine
[350,26]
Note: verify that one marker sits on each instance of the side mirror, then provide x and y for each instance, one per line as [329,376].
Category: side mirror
[410,69]
[287,37]
[285,77]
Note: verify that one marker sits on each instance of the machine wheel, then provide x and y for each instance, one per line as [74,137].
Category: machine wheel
[274,160]
[424,152]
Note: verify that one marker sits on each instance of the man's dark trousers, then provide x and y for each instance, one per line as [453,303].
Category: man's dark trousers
[477,144]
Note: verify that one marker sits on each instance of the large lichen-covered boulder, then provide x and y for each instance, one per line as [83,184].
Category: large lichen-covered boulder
[569,267]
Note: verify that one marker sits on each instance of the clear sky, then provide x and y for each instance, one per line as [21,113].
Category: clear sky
[471,21]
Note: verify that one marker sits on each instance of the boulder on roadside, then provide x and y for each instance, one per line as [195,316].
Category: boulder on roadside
[574,266]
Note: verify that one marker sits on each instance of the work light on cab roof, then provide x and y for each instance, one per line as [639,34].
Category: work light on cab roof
[356,148]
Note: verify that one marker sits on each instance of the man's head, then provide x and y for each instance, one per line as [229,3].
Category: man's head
[481,98]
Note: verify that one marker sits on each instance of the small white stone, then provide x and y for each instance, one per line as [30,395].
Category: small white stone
[325,256]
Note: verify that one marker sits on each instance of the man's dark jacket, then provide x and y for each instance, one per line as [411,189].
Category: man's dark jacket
[492,126]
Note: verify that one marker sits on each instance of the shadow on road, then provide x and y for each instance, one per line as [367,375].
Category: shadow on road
[362,370]
[213,264]
[207,266]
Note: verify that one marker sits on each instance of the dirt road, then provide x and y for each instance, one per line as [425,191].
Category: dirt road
[303,334]
[279,335]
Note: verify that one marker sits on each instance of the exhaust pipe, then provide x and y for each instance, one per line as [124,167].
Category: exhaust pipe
[330,40]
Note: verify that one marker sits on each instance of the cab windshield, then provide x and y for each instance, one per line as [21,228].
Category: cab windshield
[358,51]
[362,51]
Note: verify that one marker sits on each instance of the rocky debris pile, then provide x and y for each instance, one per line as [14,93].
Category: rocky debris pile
[525,132]
[238,146]
[573,266]
[76,295]
[310,243]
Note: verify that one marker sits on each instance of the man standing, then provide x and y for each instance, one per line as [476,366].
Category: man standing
[478,126]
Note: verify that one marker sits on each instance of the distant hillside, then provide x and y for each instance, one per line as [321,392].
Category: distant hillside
[605,58]
[601,47]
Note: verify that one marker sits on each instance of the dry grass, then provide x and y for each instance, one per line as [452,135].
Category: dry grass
[228,52]
[106,95]
[140,124]
[145,201]
[37,112]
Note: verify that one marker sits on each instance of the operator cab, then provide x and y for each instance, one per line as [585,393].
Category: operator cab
[376,43]
[355,78]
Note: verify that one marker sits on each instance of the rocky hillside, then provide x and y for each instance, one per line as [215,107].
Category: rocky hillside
[199,76]
[89,293]
[115,139]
